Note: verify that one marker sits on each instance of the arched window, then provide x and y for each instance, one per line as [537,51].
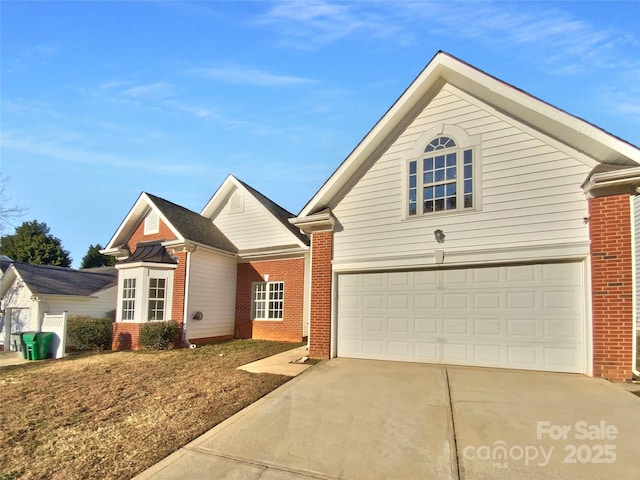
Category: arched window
[442,179]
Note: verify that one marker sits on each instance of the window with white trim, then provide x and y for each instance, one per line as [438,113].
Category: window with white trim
[441,180]
[129,299]
[268,301]
[157,297]
[144,293]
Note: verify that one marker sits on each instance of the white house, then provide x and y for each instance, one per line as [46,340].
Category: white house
[29,291]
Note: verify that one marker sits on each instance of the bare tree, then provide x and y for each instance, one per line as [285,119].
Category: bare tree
[9,212]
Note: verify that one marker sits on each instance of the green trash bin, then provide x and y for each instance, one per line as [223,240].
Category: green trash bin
[43,344]
[29,340]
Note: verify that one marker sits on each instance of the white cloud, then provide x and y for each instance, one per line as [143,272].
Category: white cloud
[312,24]
[236,74]
[56,148]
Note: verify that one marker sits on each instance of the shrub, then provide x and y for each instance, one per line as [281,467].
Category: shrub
[160,335]
[88,333]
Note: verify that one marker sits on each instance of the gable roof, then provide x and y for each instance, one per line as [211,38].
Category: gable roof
[187,225]
[280,214]
[444,69]
[50,280]
[192,226]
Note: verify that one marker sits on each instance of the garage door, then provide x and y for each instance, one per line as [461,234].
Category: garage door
[524,316]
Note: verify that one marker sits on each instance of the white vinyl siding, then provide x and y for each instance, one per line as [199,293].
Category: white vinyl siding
[529,190]
[253,227]
[520,316]
[212,291]
[95,306]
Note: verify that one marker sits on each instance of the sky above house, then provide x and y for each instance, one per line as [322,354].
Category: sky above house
[102,100]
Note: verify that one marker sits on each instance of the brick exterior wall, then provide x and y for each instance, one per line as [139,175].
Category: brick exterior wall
[289,271]
[610,227]
[125,334]
[138,236]
[321,278]
[179,286]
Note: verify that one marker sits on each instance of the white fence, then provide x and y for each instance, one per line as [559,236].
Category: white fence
[58,325]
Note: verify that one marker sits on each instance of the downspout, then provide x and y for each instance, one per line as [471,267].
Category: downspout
[185,340]
[634,282]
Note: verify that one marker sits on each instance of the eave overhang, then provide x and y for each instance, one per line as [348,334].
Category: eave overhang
[615,182]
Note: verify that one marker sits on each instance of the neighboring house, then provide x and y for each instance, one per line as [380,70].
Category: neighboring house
[29,291]
[227,272]
[473,225]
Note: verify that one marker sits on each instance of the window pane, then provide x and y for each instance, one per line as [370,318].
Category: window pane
[450,189]
[451,159]
[451,203]
[412,181]
[412,208]
[440,191]
[428,193]
[468,201]
[259,300]
[468,185]
[276,296]
[428,206]
[451,173]
[156,299]
[438,205]
[128,299]
[412,168]
[439,175]
[440,161]
[428,177]
[468,157]
[468,169]
[428,164]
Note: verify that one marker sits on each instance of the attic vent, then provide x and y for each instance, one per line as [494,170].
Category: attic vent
[151,223]
[236,205]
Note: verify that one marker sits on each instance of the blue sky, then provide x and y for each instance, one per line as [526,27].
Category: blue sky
[104,100]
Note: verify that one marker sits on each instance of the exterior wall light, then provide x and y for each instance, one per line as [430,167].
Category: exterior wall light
[439,234]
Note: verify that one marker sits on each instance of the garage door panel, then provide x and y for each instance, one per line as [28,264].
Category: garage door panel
[454,301]
[525,316]
[484,327]
[493,354]
[424,326]
[425,351]
[456,326]
[522,356]
[488,301]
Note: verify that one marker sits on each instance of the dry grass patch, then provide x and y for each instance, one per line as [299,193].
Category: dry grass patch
[113,415]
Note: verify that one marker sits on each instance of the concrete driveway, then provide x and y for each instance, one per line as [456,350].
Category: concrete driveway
[361,419]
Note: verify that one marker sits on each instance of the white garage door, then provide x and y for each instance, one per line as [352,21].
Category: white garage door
[525,316]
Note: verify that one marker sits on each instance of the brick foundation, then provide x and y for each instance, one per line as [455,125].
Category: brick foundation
[289,271]
[321,279]
[612,286]
[126,336]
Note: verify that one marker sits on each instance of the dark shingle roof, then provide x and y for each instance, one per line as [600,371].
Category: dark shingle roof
[50,280]
[152,252]
[278,212]
[193,226]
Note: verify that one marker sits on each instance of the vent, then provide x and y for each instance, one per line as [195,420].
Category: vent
[151,223]
[236,205]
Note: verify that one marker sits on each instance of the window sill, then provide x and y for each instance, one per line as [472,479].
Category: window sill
[445,213]
[267,320]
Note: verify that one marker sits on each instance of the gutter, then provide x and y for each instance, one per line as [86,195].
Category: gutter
[185,340]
